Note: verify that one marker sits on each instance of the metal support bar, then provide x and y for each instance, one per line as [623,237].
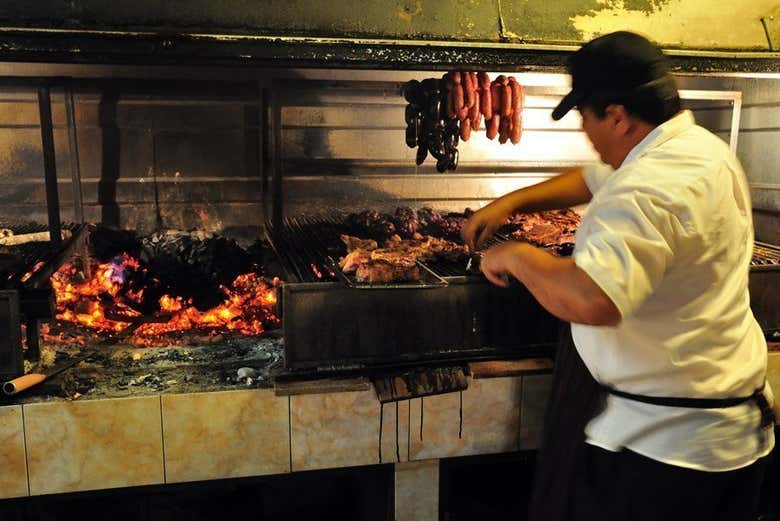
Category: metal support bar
[736,114]
[75,165]
[49,165]
[276,134]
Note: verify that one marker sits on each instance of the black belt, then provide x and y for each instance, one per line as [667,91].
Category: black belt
[767,415]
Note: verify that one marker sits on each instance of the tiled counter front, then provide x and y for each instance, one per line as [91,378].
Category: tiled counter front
[342,430]
[488,421]
[225,435]
[68,446]
[88,445]
[13,476]
[62,446]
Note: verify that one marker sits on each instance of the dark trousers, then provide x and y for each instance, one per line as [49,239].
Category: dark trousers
[642,488]
[626,486]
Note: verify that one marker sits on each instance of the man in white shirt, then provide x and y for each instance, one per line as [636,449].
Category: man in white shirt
[656,292]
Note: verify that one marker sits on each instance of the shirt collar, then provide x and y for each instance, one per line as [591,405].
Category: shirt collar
[661,134]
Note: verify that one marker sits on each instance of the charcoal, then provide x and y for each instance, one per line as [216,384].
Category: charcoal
[264,258]
[194,268]
[106,243]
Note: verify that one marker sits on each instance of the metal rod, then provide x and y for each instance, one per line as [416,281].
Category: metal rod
[262,120]
[276,134]
[49,165]
[736,114]
[75,165]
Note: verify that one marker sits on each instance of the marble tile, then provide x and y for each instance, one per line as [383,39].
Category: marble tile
[13,476]
[97,444]
[491,420]
[395,448]
[342,430]
[417,491]
[225,435]
[536,392]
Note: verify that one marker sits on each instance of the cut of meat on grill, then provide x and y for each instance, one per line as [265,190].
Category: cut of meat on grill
[427,248]
[378,271]
[354,259]
[356,243]
[371,223]
[397,260]
[397,256]
[552,228]
[406,220]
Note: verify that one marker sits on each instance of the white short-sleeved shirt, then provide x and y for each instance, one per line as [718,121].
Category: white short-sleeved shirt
[668,236]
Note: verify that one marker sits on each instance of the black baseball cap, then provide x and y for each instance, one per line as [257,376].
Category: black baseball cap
[617,63]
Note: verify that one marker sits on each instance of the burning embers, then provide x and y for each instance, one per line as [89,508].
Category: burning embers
[127,299]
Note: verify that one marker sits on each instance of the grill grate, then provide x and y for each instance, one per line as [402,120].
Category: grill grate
[21,264]
[311,247]
[766,256]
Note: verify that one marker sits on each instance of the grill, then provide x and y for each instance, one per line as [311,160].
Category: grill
[765,256]
[329,324]
[26,296]
[309,247]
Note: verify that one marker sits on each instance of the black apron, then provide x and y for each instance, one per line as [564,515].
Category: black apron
[576,397]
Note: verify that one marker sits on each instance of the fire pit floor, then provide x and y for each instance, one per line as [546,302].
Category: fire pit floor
[126,370]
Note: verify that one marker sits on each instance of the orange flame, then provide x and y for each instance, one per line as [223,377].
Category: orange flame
[247,308]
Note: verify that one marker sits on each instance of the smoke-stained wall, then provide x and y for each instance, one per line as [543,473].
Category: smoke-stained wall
[679,24]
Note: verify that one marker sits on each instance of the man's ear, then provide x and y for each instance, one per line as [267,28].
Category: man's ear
[618,115]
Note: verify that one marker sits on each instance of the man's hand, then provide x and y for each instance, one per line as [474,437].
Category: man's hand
[484,223]
[498,261]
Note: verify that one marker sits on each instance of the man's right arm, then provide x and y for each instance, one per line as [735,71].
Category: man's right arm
[563,191]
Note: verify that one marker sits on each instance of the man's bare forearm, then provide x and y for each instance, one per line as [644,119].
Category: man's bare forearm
[563,191]
[562,288]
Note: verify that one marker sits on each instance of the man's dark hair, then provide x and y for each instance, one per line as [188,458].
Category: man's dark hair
[651,105]
[621,68]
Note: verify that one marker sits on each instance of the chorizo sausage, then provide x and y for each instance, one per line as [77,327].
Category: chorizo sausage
[517,109]
[468,89]
[517,128]
[506,101]
[504,128]
[486,103]
[459,104]
[465,129]
[474,114]
[495,95]
[492,126]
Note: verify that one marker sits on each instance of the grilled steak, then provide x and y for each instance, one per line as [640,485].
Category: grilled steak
[354,259]
[553,229]
[356,243]
[383,271]
[397,260]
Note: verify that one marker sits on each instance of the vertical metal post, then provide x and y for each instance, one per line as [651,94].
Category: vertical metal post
[276,132]
[75,165]
[49,165]
[736,114]
[262,129]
